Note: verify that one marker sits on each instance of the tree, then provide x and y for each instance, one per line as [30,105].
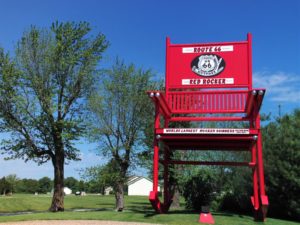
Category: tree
[95,178]
[28,186]
[281,157]
[45,185]
[71,183]
[12,179]
[42,95]
[198,190]
[119,112]
[4,186]
[104,176]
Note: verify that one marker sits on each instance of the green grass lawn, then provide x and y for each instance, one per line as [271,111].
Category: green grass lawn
[138,209]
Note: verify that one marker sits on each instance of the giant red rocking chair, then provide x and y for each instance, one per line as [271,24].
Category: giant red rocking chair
[209,82]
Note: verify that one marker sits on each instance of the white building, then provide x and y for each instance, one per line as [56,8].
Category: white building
[139,186]
[67,191]
[108,190]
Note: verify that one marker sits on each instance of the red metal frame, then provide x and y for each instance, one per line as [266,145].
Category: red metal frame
[209,82]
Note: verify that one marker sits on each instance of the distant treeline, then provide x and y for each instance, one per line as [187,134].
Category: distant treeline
[12,184]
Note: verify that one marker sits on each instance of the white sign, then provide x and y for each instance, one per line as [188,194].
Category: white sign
[205,131]
[208,81]
[205,49]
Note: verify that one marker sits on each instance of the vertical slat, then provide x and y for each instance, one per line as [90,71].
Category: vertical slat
[217,102]
[200,101]
[234,101]
[221,101]
[195,103]
[207,102]
[239,101]
[213,101]
[181,102]
[204,102]
[170,100]
[189,102]
[244,101]
[225,101]
[183,99]
[229,101]
[174,102]
[178,101]
[192,102]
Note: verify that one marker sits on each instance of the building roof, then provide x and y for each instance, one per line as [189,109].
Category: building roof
[134,179]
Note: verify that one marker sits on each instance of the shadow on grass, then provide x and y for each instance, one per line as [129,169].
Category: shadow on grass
[46,211]
[88,210]
[223,214]
[21,213]
[148,211]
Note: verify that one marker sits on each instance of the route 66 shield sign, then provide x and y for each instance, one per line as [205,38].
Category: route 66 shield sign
[208,65]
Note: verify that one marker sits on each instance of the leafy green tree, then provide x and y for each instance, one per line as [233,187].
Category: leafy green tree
[12,180]
[72,183]
[28,186]
[4,186]
[198,190]
[118,118]
[103,176]
[282,168]
[97,178]
[45,185]
[42,95]
[93,187]
[92,177]
[236,189]
[82,185]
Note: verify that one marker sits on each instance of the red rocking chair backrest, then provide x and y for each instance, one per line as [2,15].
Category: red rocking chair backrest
[213,65]
[208,78]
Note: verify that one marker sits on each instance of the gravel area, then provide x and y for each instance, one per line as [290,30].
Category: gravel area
[75,222]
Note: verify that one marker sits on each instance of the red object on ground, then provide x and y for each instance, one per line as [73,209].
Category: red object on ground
[204,83]
[206,218]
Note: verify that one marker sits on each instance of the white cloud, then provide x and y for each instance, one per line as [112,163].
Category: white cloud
[281,87]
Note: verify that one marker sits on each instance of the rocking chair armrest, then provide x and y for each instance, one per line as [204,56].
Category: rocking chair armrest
[254,101]
[159,99]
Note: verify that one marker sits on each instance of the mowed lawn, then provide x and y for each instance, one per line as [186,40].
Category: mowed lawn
[138,209]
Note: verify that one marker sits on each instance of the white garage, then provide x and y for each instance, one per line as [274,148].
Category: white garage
[139,186]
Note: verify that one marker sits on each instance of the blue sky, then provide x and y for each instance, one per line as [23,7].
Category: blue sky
[137,30]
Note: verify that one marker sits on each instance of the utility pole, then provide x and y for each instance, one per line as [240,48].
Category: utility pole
[279,111]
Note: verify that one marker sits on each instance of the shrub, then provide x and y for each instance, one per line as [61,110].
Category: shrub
[198,189]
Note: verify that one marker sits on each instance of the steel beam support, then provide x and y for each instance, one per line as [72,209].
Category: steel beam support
[255,199]
[166,179]
[156,149]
